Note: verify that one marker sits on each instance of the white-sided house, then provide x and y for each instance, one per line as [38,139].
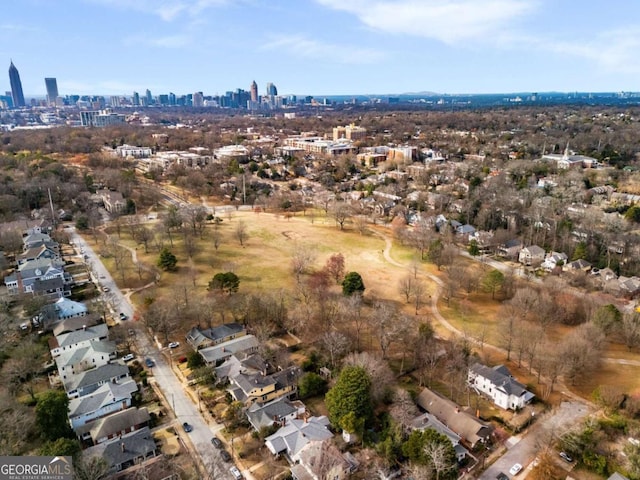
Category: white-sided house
[88,382]
[77,339]
[291,438]
[499,385]
[553,260]
[80,359]
[109,398]
[531,255]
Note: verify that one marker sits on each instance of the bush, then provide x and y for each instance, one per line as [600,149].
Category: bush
[310,385]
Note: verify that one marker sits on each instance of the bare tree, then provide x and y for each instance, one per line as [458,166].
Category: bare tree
[302,257]
[403,409]
[378,370]
[419,292]
[352,311]
[341,213]
[630,330]
[335,344]
[241,232]
[437,453]
[405,287]
[335,267]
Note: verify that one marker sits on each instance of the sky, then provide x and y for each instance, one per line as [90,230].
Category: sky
[322,47]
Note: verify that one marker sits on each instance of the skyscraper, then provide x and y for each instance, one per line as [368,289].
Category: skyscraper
[52,90]
[254,91]
[136,99]
[16,86]
[271,89]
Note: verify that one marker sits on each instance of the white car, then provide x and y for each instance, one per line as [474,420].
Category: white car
[174,344]
[128,357]
[236,473]
[515,469]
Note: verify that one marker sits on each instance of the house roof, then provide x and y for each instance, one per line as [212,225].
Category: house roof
[534,250]
[470,428]
[502,379]
[249,382]
[264,415]
[297,433]
[76,323]
[82,335]
[116,422]
[579,264]
[426,420]
[317,458]
[617,476]
[104,373]
[223,350]
[79,354]
[107,394]
[241,363]
[129,447]
[69,308]
[197,336]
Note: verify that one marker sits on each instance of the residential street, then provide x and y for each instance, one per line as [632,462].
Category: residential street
[178,401]
[523,449]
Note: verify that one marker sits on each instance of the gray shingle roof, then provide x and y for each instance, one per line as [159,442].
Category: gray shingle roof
[501,378]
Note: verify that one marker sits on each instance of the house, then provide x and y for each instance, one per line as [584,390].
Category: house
[77,339]
[291,438]
[498,383]
[22,281]
[241,363]
[279,411]
[108,398]
[85,383]
[628,286]
[319,461]
[36,253]
[553,260]
[252,388]
[127,450]
[37,239]
[426,420]
[114,425]
[76,323]
[532,255]
[511,248]
[79,359]
[246,343]
[113,202]
[471,430]
[580,265]
[203,338]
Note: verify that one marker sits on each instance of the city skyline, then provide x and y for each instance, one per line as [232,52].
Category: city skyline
[322,47]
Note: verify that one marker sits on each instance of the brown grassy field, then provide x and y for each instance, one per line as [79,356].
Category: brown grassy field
[264,264]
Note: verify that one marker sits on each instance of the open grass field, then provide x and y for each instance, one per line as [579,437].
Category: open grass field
[263,264]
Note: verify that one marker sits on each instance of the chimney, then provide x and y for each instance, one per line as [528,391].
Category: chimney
[122,447]
[84,327]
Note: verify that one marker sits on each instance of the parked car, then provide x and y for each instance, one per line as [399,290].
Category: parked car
[565,456]
[148,362]
[187,428]
[236,473]
[515,469]
[225,455]
[123,317]
[216,442]
[106,289]
[502,476]
[128,357]
[174,344]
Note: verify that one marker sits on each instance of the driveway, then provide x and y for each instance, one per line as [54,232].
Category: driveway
[523,449]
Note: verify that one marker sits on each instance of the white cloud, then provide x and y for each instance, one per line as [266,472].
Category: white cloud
[167,10]
[168,41]
[300,46]
[449,21]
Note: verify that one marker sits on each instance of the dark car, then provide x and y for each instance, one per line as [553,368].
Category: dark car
[566,457]
[187,428]
[502,476]
[123,316]
[225,455]
[216,442]
[148,362]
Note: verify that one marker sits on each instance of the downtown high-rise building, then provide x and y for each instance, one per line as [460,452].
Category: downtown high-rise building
[135,99]
[52,90]
[16,86]
[272,90]
[254,91]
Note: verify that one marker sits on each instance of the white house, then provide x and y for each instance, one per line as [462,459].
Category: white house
[80,359]
[78,339]
[553,260]
[499,385]
[531,255]
[109,398]
[291,438]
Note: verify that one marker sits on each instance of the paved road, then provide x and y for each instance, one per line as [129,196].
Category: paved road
[523,449]
[172,389]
